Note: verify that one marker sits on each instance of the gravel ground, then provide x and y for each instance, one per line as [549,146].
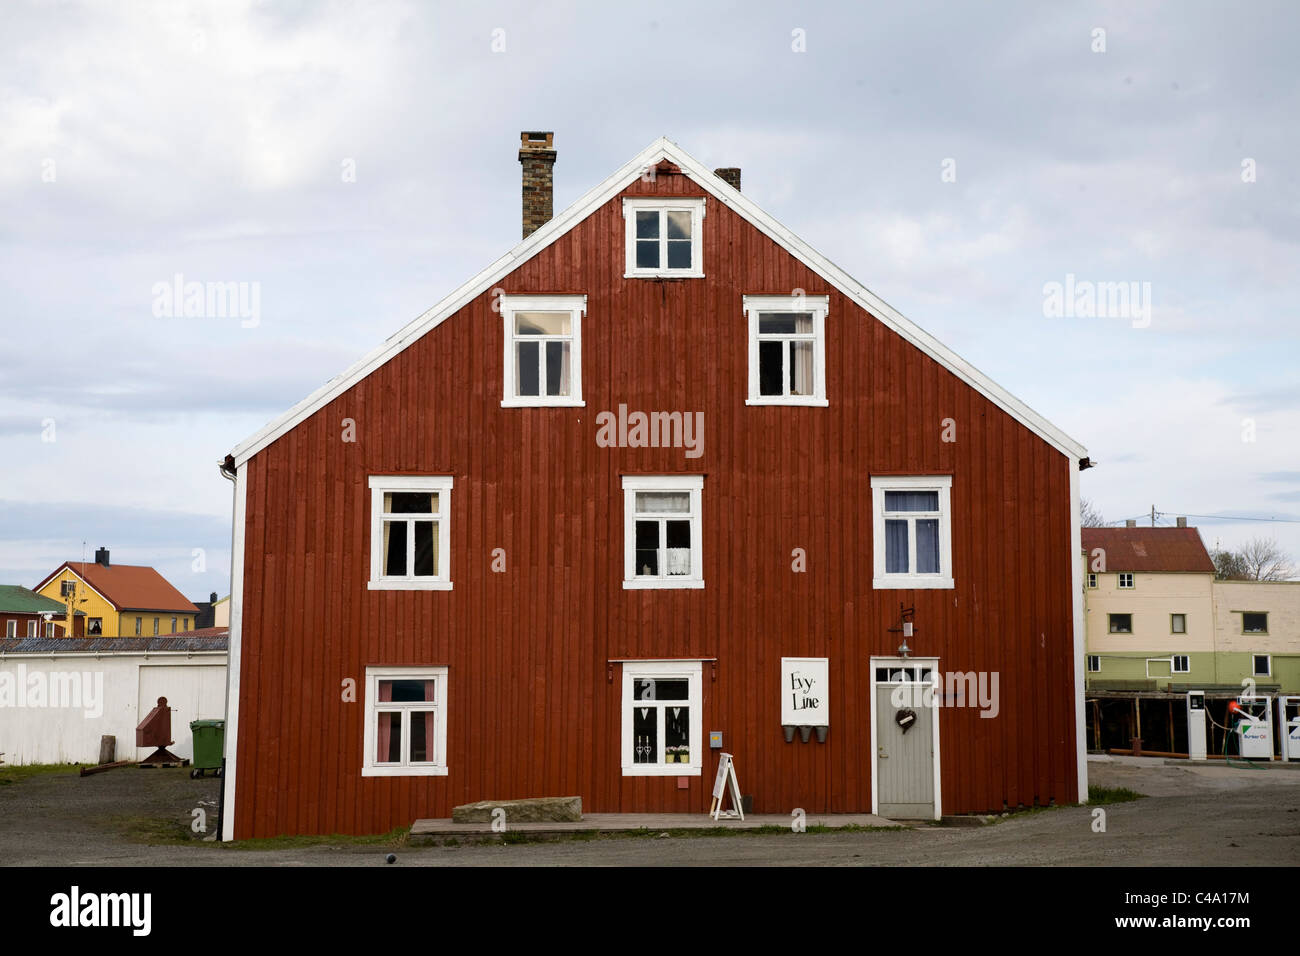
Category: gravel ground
[1217,816]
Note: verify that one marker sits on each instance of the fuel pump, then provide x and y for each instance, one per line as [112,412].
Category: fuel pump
[1196,724]
[1288,722]
[1253,725]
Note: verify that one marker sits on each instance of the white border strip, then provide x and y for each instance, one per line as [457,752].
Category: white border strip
[1076,599]
[236,657]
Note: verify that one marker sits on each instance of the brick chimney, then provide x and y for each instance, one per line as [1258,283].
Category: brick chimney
[101,556]
[730,175]
[1182,522]
[537,154]
[1131,523]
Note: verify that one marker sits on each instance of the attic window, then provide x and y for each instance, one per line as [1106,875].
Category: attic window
[543,350]
[787,349]
[664,238]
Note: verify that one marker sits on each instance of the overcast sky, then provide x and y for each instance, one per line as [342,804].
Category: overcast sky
[954,158]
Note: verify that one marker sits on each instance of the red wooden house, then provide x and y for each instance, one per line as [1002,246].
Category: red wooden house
[661,472]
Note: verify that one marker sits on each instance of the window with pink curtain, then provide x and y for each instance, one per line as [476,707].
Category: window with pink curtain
[405,715]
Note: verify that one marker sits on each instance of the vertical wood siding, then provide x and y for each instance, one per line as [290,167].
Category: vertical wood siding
[531,709]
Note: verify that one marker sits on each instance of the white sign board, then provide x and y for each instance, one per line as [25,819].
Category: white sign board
[726,780]
[805,691]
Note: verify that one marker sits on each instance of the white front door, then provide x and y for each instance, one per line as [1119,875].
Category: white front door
[905,738]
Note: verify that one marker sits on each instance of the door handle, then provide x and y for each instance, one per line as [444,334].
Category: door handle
[881,751]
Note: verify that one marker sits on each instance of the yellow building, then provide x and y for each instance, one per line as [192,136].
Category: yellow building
[121,600]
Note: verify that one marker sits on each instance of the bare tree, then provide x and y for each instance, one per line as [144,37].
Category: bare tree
[1264,560]
[1090,514]
[1259,559]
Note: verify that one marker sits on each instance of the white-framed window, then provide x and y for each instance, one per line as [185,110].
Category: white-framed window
[543,350]
[94,626]
[1094,663]
[31,628]
[139,623]
[1182,664]
[67,588]
[664,237]
[663,705]
[661,531]
[406,722]
[1120,623]
[1177,623]
[912,531]
[787,349]
[155,627]
[1262,665]
[173,625]
[1126,580]
[49,628]
[410,533]
[11,628]
[1092,580]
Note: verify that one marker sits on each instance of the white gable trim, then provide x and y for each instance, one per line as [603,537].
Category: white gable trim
[585,206]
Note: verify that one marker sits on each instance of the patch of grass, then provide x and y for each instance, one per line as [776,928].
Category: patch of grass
[396,838]
[1100,795]
[11,775]
[161,832]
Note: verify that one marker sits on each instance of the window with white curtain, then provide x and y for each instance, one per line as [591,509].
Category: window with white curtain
[661,529]
[543,349]
[912,531]
[787,349]
[406,722]
[410,547]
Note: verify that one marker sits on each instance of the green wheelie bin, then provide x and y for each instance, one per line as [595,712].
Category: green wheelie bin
[209,746]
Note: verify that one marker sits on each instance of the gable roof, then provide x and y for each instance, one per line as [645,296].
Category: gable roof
[128,587]
[17,599]
[1150,549]
[658,151]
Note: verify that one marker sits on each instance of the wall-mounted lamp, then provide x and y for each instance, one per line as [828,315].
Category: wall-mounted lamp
[905,627]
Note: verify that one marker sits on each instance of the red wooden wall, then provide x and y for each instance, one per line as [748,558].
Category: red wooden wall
[531,709]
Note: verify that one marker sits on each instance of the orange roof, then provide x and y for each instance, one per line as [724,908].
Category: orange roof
[132,587]
[1149,549]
